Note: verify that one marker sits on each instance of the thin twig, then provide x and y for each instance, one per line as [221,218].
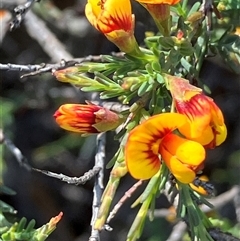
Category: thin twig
[72,180]
[98,186]
[207,8]
[222,199]
[236,201]
[178,231]
[127,195]
[20,12]
[219,235]
[35,69]
[22,160]
[218,202]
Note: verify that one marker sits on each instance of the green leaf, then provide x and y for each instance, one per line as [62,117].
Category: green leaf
[110,94]
[166,42]
[194,9]
[143,88]
[160,79]
[156,66]
[149,69]
[186,48]
[6,208]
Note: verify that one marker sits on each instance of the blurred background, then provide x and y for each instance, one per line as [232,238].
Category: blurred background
[28,105]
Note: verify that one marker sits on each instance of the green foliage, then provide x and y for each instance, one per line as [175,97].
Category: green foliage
[21,230]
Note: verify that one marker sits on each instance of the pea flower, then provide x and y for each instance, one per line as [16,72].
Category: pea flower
[206,123]
[86,119]
[115,20]
[153,141]
[160,12]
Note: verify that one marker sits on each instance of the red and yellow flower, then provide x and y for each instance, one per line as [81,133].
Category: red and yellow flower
[153,141]
[86,119]
[205,120]
[115,20]
[160,12]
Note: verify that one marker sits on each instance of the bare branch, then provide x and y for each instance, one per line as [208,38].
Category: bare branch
[219,235]
[218,202]
[178,231]
[71,180]
[22,160]
[20,12]
[38,30]
[35,69]
[98,186]
[236,201]
[221,200]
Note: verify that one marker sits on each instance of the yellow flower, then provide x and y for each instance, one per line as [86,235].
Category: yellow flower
[86,119]
[206,123]
[115,20]
[153,141]
[169,2]
[160,12]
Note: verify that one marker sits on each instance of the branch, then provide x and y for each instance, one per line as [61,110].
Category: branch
[38,30]
[218,202]
[236,201]
[20,12]
[222,199]
[72,180]
[178,231]
[35,69]
[127,195]
[98,187]
[22,160]
[217,234]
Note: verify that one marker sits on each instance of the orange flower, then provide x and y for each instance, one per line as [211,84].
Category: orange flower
[86,119]
[153,141]
[115,20]
[206,122]
[160,12]
[169,2]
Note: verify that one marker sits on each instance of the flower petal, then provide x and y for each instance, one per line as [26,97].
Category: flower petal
[188,152]
[183,157]
[141,151]
[110,15]
[170,2]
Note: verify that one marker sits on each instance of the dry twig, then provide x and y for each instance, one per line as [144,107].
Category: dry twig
[71,180]
[22,160]
[98,186]
[127,195]
[20,12]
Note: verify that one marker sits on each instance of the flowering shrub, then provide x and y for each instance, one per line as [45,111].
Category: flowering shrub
[170,121]
[165,122]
